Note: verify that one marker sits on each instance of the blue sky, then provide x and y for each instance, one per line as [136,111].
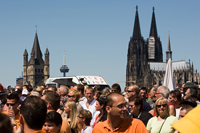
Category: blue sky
[94,34]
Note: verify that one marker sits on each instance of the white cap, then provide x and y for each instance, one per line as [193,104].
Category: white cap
[25,92]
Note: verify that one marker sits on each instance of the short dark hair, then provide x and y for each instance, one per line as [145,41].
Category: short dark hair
[97,88]
[34,110]
[144,88]
[117,87]
[54,117]
[53,98]
[87,115]
[5,124]
[137,101]
[80,87]
[13,95]
[176,94]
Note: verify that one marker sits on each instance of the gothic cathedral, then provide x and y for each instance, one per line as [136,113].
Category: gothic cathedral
[145,64]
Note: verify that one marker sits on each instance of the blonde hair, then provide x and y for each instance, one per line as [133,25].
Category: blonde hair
[73,114]
[89,88]
[161,99]
[76,93]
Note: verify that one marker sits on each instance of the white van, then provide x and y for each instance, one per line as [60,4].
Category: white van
[85,80]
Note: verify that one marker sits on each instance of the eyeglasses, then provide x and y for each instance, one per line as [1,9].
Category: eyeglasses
[157,93]
[121,106]
[89,93]
[80,116]
[11,104]
[164,105]
[129,91]
[70,96]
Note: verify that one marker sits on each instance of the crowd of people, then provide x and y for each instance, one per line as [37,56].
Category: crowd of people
[84,109]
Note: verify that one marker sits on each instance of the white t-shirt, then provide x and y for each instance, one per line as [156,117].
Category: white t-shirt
[82,100]
[178,112]
[92,109]
[87,130]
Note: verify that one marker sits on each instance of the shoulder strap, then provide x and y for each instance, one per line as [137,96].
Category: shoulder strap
[163,124]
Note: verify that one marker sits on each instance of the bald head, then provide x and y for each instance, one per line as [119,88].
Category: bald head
[111,98]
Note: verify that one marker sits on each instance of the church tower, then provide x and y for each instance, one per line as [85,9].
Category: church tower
[154,44]
[36,70]
[137,56]
[168,52]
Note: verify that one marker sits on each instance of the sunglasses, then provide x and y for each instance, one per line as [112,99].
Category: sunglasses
[164,105]
[70,96]
[11,104]
[80,116]
[121,106]
[129,91]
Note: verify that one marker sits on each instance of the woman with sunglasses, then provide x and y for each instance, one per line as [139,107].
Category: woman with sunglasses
[84,119]
[70,109]
[161,123]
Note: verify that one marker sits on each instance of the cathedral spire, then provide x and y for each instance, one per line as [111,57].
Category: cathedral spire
[25,53]
[153,29]
[168,52]
[136,30]
[168,47]
[36,48]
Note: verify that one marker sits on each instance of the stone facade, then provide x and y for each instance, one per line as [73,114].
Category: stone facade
[36,70]
[145,64]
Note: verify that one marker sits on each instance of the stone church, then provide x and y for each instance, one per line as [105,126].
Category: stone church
[145,64]
[36,70]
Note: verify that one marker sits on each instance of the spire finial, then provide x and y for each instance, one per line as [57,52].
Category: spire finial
[153,8]
[136,8]
[36,28]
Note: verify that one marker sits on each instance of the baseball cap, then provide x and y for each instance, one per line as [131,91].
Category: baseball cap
[190,85]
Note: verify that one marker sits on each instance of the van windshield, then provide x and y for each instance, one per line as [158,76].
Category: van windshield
[101,86]
[51,85]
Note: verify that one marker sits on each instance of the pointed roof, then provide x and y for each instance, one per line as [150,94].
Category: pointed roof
[36,48]
[153,29]
[136,30]
[169,46]
[46,52]
[25,53]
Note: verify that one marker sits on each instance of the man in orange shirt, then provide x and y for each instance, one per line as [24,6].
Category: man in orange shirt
[12,108]
[117,121]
